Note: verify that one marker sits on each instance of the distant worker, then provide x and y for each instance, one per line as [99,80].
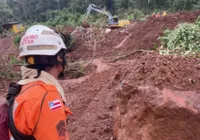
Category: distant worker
[39,111]
[153,15]
[158,15]
[164,13]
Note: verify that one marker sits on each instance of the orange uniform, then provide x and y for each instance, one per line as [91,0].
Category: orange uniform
[40,111]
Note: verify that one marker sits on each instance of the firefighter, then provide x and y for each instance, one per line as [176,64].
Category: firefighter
[39,111]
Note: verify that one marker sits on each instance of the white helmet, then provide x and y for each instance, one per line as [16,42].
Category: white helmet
[40,40]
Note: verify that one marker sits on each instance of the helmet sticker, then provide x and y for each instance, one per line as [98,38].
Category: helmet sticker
[29,40]
[31,60]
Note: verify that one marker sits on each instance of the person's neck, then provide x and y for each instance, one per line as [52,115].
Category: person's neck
[53,72]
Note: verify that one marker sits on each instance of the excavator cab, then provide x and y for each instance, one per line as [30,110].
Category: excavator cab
[115,19]
[118,23]
[114,23]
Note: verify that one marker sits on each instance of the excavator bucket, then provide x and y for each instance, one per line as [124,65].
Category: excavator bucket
[85,24]
[114,26]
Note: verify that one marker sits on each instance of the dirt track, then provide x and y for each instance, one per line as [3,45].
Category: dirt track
[92,98]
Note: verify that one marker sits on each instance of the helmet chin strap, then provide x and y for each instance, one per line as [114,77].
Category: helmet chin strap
[38,73]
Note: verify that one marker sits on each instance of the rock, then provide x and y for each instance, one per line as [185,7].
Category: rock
[93,129]
[107,31]
[103,116]
[112,138]
[154,114]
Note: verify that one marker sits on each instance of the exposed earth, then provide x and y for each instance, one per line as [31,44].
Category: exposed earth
[119,87]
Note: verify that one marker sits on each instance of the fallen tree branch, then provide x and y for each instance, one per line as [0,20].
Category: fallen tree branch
[123,41]
[3,90]
[130,53]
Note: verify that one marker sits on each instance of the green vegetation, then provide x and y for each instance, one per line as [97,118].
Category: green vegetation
[17,40]
[14,61]
[70,12]
[9,75]
[63,17]
[1,30]
[6,13]
[7,68]
[185,39]
[75,71]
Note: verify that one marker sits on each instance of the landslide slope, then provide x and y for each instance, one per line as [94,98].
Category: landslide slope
[93,97]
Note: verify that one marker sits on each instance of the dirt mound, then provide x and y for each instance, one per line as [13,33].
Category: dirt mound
[139,35]
[91,101]
[144,34]
[93,98]
[148,113]
[173,72]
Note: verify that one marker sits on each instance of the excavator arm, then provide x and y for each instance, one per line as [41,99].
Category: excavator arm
[113,22]
[99,10]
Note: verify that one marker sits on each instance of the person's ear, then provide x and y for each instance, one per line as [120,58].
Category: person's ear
[59,58]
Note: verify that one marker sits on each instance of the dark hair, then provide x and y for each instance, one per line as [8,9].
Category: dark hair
[42,62]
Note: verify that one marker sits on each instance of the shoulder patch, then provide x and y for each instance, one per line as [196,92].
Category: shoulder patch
[56,104]
[62,130]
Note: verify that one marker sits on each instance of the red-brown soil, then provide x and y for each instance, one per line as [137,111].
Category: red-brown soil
[93,98]
[141,35]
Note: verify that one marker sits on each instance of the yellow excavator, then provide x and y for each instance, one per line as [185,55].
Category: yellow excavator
[113,21]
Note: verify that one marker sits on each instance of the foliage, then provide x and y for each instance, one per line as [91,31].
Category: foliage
[63,17]
[69,12]
[182,5]
[14,60]
[131,14]
[185,39]
[75,70]
[6,68]
[17,40]
[5,13]
[1,30]
[196,5]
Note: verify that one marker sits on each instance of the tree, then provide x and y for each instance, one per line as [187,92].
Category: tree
[6,13]
[37,10]
[196,5]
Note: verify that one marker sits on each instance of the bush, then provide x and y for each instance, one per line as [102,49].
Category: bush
[63,17]
[182,40]
[14,60]
[131,14]
[7,72]
[1,30]
[17,40]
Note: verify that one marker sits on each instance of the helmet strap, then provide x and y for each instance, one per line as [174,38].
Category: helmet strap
[38,73]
